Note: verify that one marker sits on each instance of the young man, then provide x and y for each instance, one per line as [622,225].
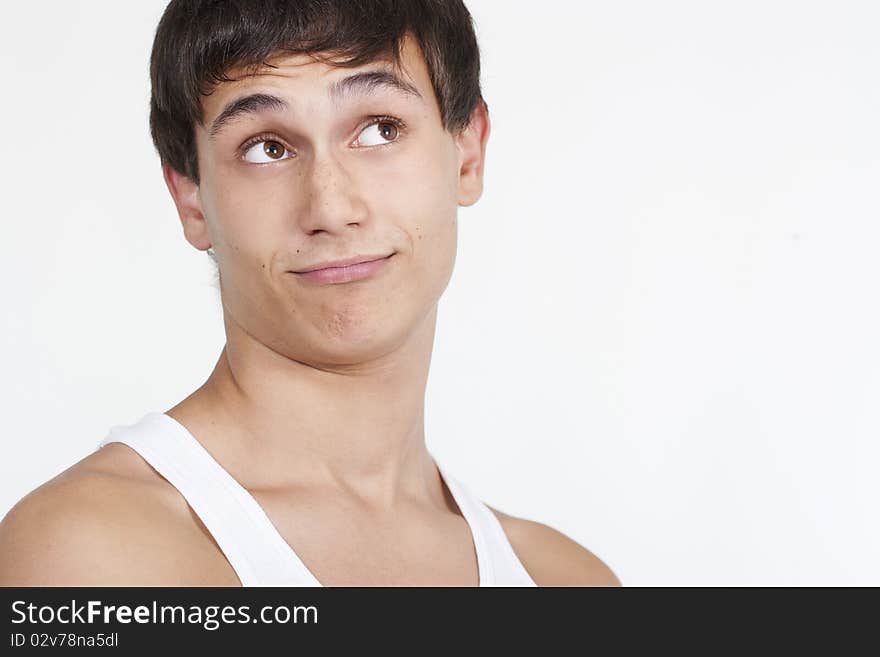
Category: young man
[298,138]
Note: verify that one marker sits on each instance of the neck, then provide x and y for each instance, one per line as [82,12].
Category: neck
[274,422]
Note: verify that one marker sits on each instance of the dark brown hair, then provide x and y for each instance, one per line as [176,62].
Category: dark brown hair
[198,42]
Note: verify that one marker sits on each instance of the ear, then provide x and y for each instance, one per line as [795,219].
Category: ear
[186,197]
[471,143]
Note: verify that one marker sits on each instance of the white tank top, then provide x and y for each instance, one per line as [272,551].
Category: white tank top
[256,551]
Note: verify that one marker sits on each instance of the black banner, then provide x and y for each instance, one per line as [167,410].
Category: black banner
[411,620]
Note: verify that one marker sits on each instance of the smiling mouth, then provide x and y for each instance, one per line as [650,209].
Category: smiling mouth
[344,262]
[346,273]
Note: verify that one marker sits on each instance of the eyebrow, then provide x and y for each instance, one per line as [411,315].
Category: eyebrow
[364,83]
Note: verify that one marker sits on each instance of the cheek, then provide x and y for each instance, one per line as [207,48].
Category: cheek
[242,215]
[433,229]
[424,183]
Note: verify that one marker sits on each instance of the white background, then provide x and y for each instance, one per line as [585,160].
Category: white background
[661,334]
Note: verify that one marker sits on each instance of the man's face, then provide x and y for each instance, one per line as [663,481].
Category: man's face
[291,184]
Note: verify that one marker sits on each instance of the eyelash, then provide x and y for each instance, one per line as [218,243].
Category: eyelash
[268,136]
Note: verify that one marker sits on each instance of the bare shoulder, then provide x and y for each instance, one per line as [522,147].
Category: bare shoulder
[108,520]
[551,557]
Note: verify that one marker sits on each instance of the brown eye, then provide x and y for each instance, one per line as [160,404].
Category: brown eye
[379,132]
[388,130]
[273,149]
[267,150]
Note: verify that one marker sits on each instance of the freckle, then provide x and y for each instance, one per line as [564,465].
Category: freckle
[297,250]
[263,266]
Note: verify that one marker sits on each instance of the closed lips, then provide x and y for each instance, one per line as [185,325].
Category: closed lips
[343,263]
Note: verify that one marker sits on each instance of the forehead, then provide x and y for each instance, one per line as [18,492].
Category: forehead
[302,75]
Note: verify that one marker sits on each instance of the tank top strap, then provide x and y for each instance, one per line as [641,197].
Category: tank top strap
[256,551]
[249,540]
[498,563]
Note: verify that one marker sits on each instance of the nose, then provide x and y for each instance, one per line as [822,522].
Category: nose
[333,200]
